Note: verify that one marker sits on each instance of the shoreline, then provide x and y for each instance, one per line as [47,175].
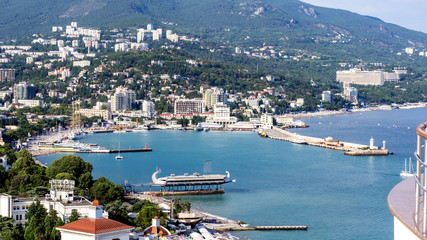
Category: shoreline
[404,106]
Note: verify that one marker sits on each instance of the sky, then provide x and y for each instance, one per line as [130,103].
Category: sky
[410,14]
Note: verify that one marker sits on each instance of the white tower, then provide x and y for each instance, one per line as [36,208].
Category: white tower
[384,144]
[371,143]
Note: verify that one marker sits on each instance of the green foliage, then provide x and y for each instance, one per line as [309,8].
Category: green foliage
[79,170]
[181,206]
[36,214]
[74,216]
[105,191]
[117,211]
[147,213]
[8,231]
[49,224]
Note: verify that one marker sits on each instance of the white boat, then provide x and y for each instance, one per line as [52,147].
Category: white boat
[408,171]
[118,155]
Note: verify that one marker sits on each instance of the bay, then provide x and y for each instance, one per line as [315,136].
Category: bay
[280,183]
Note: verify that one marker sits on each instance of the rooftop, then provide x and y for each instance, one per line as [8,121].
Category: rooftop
[95,226]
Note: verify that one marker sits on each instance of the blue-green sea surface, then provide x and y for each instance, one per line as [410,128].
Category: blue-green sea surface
[280,183]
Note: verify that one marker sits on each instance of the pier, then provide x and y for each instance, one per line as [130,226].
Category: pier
[353,149]
[259,228]
[221,224]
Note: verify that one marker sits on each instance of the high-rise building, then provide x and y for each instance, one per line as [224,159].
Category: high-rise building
[148,108]
[327,96]
[213,96]
[24,91]
[188,106]
[7,74]
[122,99]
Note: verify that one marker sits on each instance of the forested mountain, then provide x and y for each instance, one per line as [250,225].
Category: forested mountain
[288,23]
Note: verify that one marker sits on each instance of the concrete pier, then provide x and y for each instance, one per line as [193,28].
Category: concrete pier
[353,149]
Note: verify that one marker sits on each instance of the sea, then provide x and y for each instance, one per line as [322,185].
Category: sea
[278,182]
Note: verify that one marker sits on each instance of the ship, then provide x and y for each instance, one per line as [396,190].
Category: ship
[194,179]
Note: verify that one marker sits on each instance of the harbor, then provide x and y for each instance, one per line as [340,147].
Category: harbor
[352,149]
[279,183]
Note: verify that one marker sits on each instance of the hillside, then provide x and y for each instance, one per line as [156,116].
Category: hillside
[287,23]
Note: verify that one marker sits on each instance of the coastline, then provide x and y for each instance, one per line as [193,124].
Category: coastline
[56,136]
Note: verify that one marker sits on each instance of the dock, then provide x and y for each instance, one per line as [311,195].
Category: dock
[261,228]
[132,150]
[221,224]
[348,148]
[183,193]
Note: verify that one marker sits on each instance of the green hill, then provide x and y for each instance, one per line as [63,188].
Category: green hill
[288,23]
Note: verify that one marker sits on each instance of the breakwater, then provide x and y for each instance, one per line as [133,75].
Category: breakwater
[353,149]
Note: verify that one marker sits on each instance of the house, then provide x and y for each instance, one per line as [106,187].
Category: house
[95,227]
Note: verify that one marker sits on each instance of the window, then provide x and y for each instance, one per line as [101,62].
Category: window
[16,217]
[20,217]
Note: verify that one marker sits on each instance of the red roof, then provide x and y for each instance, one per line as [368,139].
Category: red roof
[95,225]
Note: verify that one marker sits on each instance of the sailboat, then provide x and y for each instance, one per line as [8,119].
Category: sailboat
[408,171]
[118,155]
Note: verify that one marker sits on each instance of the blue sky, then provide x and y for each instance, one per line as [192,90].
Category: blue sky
[410,14]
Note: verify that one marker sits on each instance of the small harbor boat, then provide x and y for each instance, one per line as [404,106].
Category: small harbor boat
[408,170]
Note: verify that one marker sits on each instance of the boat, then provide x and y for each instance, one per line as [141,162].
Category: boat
[263,135]
[299,141]
[118,155]
[188,180]
[206,129]
[191,218]
[408,170]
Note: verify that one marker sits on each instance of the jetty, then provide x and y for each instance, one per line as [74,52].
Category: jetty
[352,149]
[220,224]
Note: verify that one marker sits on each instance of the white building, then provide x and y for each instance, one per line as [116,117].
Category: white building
[327,96]
[350,93]
[95,227]
[189,106]
[82,63]
[3,160]
[148,109]
[87,112]
[61,199]
[356,76]
[213,96]
[31,103]
[122,99]
[267,120]
[222,115]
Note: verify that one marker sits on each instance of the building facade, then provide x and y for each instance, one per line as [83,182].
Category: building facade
[356,76]
[23,90]
[189,106]
[122,99]
[148,109]
[61,199]
[213,96]
[7,74]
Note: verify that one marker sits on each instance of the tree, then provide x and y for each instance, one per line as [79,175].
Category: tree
[74,166]
[36,214]
[74,216]
[55,234]
[49,224]
[147,213]
[105,191]
[117,211]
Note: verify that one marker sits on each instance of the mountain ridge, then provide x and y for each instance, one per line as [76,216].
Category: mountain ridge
[289,23]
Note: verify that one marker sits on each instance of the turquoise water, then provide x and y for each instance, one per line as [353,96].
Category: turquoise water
[280,183]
